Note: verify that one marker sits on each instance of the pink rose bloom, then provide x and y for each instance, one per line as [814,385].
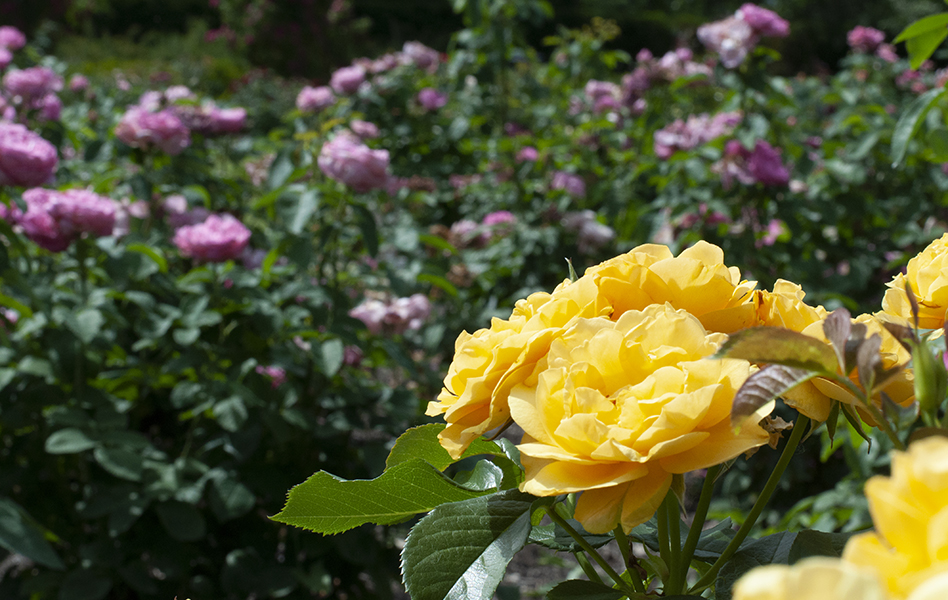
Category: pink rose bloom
[591,234]
[352,356]
[527,154]
[864,39]
[26,159]
[347,79]
[697,130]
[644,55]
[432,99]
[77,83]
[887,53]
[276,375]
[465,233]
[50,107]
[731,39]
[11,38]
[6,57]
[315,99]
[500,217]
[179,92]
[10,315]
[364,129]
[371,312]
[765,165]
[774,229]
[407,313]
[140,128]
[34,82]
[764,22]
[38,223]
[227,120]
[421,56]
[217,239]
[178,215]
[347,160]
[81,211]
[571,184]
[597,89]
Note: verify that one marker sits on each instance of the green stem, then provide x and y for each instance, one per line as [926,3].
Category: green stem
[664,546]
[560,520]
[588,568]
[674,540]
[625,549]
[83,272]
[877,415]
[697,524]
[798,430]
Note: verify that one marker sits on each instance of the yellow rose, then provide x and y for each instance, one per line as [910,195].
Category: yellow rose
[927,275]
[909,548]
[489,363]
[697,280]
[814,398]
[617,407]
[817,578]
[784,307]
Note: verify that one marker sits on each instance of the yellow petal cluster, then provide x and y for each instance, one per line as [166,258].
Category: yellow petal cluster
[905,558]
[927,275]
[490,362]
[617,407]
[816,578]
[909,509]
[814,398]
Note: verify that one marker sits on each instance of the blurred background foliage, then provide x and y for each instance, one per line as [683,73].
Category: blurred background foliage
[309,38]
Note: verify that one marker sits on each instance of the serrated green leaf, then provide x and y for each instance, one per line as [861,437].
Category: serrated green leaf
[582,589]
[68,441]
[422,443]
[556,538]
[327,504]
[910,122]
[20,534]
[461,550]
[485,476]
[305,207]
[778,346]
[770,550]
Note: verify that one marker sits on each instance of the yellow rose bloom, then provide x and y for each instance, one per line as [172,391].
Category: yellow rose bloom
[814,398]
[909,548]
[490,362]
[816,578]
[617,407]
[927,275]
[784,307]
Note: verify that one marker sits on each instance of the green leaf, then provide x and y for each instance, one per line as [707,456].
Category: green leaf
[438,281]
[20,534]
[305,207]
[770,550]
[182,521]
[461,550]
[151,253]
[910,122]
[332,354]
[327,504]
[582,589]
[68,441]
[556,538]
[119,462]
[370,233]
[84,584]
[485,476]
[85,324]
[923,26]
[422,443]
[921,47]
[762,387]
[280,170]
[230,499]
[817,543]
[231,413]
[24,310]
[779,346]
[438,242]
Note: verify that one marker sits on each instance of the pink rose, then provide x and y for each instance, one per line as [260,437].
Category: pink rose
[276,375]
[227,120]
[431,99]
[32,83]
[77,83]
[864,39]
[570,183]
[364,129]
[217,239]
[347,160]
[26,159]
[11,38]
[527,154]
[140,128]
[347,79]
[81,211]
[316,99]
[422,56]
[764,22]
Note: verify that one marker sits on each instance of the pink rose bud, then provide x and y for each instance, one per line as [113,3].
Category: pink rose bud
[276,375]
[347,79]
[26,159]
[217,239]
[312,99]
[431,99]
[347,160]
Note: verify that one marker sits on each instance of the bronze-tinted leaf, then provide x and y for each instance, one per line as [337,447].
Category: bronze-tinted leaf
[778,346]
[836,327]
[868,360]
[762,387]
[905,335]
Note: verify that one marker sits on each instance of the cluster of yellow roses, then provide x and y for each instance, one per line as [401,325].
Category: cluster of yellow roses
[906,558]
